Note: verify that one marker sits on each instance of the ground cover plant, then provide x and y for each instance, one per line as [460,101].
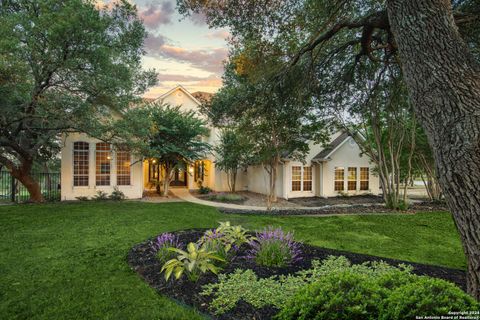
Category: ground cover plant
[75,252]
[244,287]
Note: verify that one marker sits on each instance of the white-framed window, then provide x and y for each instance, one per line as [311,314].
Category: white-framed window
[103,160]
[339,178]
[301,178]
[364,178]
[352,179]
[296,178]
[124,163]
[80,163]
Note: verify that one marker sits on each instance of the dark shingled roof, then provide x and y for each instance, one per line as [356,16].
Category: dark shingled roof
[322,155]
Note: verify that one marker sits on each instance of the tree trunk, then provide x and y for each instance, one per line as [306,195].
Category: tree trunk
[23,175]
[443,80]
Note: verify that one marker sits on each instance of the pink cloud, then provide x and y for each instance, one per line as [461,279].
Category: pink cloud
[219,34]
[154,43]
[155,15]
[206,59]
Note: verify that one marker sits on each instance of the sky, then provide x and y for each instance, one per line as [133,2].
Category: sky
[182,50]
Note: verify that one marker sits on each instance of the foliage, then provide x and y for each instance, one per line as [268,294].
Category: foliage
[167,134]
[162,245]
[394,294]
[193,262]
[226,197]
[224,239]
[274,248]
[100,195]
[116,194]
[245,285]
[82,198]
[204,190]
[64,66]
[426,296]
[232,154]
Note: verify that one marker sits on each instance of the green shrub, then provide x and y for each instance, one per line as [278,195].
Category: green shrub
[204,190]
[116,194]
[375,293]
[100,196]
[344,295]
[226,197]
[425,296]
[276,291]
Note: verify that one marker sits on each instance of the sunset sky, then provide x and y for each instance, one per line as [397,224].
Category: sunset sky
[182,50]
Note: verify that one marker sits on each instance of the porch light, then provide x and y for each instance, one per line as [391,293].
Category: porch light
[154,161]
[109,157]
[190,169]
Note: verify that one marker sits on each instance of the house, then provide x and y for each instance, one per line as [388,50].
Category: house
[89,165]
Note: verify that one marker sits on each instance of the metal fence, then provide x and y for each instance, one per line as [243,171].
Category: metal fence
[12,190]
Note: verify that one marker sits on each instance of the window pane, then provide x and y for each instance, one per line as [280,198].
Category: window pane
[102,164]
[296,173]
[307,173]
[307,185]
[80,163]
[296,185]
[364,178]
[123,168]
[339,177]
[352,178]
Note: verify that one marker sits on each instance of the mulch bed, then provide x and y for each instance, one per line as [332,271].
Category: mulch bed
[142,260]
[341,209]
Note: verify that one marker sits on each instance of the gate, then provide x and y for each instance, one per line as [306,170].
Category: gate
[12,190]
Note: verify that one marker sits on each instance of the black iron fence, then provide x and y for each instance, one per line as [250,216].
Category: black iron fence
[11,190]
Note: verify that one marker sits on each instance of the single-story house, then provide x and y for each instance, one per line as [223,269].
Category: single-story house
[89,165]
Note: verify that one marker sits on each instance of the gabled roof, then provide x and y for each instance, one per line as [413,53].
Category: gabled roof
[331,147]
[178,87]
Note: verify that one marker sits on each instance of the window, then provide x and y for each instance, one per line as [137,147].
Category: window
[80,164]
[364,178]
[352,179]
[199,169]
[123,168]
[102,163]
[301,178]
[307,178]
[296,178]
[339,178]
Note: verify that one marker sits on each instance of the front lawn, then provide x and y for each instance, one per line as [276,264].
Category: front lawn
[67,261]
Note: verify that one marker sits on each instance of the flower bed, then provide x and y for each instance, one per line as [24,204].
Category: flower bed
[144,258]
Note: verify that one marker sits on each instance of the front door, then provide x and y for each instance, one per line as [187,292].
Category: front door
[179,178]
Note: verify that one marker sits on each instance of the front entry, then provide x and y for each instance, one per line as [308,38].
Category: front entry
[179,179]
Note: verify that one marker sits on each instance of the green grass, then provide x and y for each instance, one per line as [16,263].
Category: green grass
[68,261]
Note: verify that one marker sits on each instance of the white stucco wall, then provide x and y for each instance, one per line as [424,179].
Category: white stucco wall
[69,192]
[258,180]
[348,155]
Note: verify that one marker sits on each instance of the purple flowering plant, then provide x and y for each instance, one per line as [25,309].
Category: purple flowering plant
[163,243]
[274,248]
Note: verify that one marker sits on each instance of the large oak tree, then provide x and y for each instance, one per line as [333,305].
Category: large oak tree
[433,44]
[64,66]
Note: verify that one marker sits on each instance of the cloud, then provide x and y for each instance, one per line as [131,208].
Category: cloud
[206,59]
[192,83]
[219,34]
[153,43]
[155,15]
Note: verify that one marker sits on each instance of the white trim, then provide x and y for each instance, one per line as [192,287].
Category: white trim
[180,87]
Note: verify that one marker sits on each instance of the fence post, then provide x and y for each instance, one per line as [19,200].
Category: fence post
[13,189]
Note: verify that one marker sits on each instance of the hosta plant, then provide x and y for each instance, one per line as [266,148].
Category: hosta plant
[193,262]
[235,235]
[163,243]
[274,248]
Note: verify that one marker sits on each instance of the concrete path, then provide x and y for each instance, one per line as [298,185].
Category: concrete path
[185,195]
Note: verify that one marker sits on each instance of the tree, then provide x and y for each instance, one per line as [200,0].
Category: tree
[167,134]
[436,44]
[64,65]
[232,154]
